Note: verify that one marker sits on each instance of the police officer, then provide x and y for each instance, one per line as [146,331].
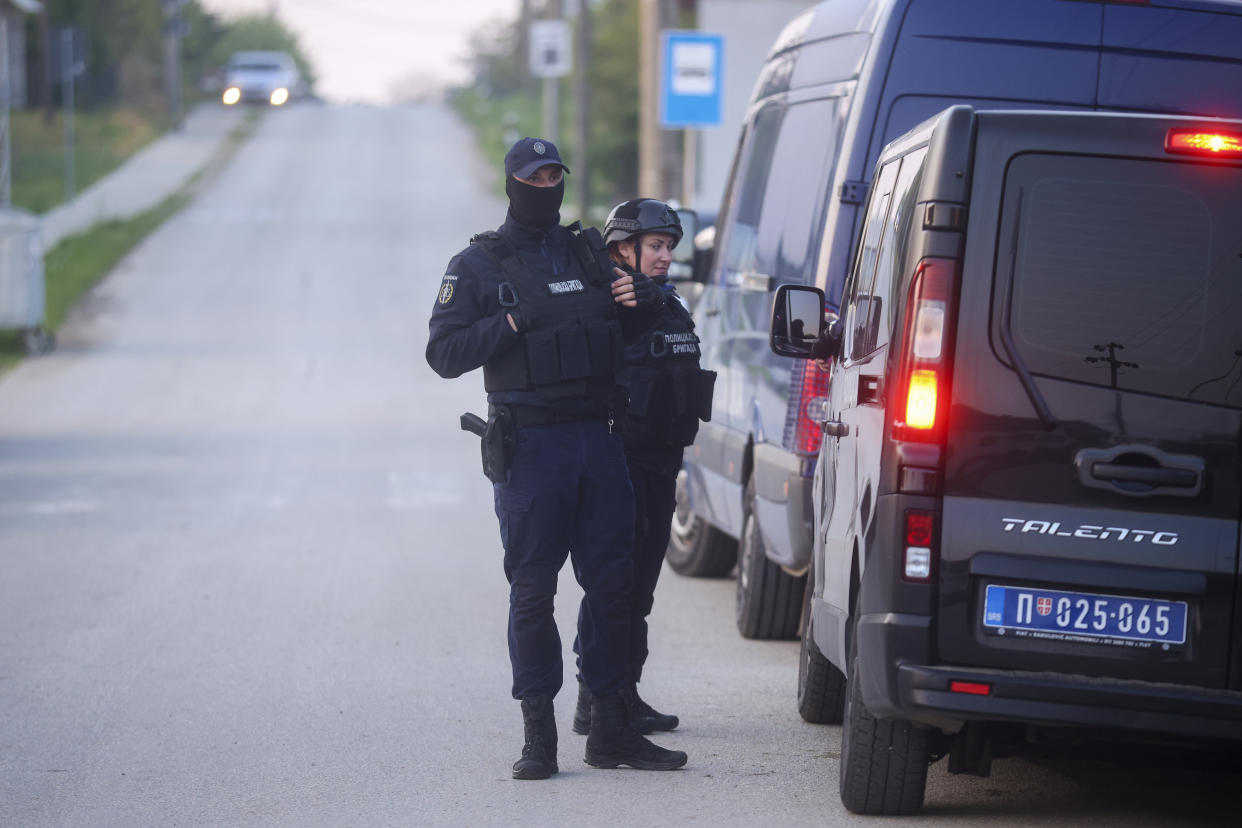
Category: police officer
[667,395]
[537,306]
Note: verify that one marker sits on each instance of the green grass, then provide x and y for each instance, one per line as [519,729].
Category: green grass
[78,262]
[103,140]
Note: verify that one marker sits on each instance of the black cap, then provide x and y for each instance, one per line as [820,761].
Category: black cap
[529,154]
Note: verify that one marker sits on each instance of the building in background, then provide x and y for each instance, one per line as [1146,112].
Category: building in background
[749,27]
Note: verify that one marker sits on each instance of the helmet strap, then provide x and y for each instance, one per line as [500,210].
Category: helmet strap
[638,252]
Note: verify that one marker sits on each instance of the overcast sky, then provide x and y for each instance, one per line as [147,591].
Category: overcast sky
[362,48]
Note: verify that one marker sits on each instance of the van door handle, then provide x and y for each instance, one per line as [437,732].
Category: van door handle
[1141,471]
[835,428]
[1180,478]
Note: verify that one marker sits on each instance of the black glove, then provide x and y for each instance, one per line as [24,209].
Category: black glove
[646,292]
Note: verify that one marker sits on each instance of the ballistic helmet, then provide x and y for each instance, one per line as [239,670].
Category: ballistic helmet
[641,215]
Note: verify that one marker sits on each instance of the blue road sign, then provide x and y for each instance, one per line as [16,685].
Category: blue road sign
[693,79]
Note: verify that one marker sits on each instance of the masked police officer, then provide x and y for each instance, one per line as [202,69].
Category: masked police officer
[538,307]
[667,394]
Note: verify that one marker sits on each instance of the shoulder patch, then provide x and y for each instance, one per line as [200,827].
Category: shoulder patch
[448,290]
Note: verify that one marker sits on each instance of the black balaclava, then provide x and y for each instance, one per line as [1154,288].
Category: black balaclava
[538,207]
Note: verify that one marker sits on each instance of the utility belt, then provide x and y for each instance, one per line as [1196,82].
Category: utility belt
[498,434]
[535,415]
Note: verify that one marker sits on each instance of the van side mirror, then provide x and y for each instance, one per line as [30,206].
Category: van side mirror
[681,269]
[797,321]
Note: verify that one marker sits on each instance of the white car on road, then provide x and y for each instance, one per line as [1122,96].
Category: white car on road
[262,77]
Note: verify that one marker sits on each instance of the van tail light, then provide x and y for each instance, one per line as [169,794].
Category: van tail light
[919,557]
[1204,142]
[920,408]
[808,398]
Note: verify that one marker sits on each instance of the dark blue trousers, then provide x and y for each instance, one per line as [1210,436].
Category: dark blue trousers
[655,485]
[568,494]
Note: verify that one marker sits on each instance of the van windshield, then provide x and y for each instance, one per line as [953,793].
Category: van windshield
[1128,273]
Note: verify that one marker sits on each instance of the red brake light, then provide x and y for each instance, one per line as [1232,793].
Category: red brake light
[919,528]
[808,394]
[919,408]
[916,564]
[1210,143]
[921,399]
[974,688]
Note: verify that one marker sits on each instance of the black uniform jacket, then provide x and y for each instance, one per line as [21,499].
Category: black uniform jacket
[468,324]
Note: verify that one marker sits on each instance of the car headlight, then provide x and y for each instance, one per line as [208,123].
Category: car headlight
[231,95]
[279,96]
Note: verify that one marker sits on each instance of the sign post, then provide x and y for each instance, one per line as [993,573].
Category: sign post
[550,60]
[691,93]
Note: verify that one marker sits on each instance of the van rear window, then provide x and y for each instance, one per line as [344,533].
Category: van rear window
[1128,273]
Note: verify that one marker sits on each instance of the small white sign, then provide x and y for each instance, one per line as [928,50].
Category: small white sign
[549,48]
[693,68]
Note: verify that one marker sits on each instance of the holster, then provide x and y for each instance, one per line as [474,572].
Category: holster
[497,444]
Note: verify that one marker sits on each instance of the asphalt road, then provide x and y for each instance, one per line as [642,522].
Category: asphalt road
[250,572]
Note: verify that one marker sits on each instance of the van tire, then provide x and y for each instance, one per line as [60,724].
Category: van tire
[821,685]
[695,547]
[769,599]
[883,761]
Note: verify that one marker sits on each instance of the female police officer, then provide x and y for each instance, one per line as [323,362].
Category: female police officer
[667,394]
[537,307]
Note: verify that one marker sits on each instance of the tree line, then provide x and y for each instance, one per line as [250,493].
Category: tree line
[501,76]
[123,49]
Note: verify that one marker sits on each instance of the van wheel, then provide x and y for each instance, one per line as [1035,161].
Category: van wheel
[695,547]
[821,686]
[883,761]
[769,600]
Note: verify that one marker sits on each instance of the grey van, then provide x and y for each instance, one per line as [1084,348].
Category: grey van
[843,80]
[1029,504]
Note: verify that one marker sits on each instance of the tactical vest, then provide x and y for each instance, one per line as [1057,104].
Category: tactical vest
[667,393]
[571,345]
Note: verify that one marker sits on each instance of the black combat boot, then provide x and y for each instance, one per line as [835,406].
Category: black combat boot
[539,753]
[614,742]
[644,717]
[582,714]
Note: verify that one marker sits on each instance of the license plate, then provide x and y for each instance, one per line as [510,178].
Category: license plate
[1082,616]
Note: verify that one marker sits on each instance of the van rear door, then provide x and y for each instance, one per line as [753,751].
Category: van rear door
[1092,496]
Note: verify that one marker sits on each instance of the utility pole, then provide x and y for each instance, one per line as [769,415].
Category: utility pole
[172,59]
[67,71]
[649,179]
[6,156]
[582,61]
[1111,359]
[528,78]
[551,90]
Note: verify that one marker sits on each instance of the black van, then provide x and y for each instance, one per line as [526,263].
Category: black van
[1029,492]
[842,81]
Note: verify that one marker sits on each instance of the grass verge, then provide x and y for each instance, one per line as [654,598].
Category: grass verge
[103,140]
[78,262]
